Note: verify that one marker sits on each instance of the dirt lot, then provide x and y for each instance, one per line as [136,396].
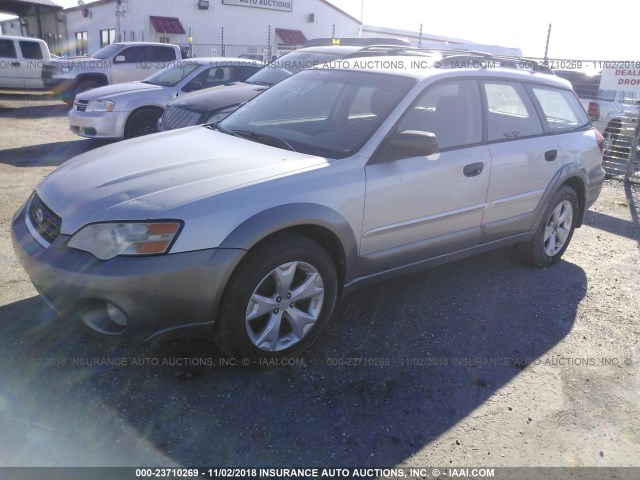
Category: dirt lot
[483,362]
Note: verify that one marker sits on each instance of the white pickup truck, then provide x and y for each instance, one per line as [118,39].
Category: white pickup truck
[115,63]
[21,61]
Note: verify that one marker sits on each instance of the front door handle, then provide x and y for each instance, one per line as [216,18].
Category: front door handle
[473,169]
[550,155]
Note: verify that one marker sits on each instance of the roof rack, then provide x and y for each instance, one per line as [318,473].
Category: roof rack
[450,55]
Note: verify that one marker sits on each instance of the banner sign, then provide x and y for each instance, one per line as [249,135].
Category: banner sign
[282,5]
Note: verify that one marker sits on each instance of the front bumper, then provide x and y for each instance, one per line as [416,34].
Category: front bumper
[175,294]
[97,124]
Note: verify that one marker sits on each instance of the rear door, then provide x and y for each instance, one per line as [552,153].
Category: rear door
[10,65]
[31,63]
[524,158]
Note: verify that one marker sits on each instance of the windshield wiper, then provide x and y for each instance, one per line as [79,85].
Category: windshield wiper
[264,84]
[262,138]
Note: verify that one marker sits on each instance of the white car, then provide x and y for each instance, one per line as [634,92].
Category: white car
[132,109]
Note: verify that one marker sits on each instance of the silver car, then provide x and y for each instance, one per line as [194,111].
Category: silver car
[131,109]
[249,229]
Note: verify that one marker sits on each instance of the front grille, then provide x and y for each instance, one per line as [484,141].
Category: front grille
[47,71]
[176,117]
[81,105]
[45,222]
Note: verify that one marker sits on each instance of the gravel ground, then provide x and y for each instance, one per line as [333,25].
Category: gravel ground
[482,362]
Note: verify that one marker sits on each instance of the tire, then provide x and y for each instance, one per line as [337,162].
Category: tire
[142,122]
[554,233]
[258,311]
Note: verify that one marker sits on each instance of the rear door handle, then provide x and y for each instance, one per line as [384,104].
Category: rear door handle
[473,169]
[550,155]
[15,64]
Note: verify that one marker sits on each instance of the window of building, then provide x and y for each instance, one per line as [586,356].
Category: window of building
[82,43]
[164,39]
[107,37]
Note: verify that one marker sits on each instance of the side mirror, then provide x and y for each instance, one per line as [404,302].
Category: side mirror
[120,59]
[192,86]
[413,143]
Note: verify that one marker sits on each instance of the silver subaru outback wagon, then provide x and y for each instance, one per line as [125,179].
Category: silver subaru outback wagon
[249,229]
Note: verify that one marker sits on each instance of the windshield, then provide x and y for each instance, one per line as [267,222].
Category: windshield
[320,112]
[107,52]
[173,74]
[291,63]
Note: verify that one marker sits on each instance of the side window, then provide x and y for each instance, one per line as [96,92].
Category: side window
[451,110]
[7,49]
[161,54]
[31,50]
[214,76]
[134,55]
[511,112]
[561,108]
[244,72]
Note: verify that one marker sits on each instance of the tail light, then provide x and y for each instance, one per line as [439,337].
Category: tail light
[600,140]
[594,111]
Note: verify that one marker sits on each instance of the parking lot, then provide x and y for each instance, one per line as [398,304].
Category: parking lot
[482,362]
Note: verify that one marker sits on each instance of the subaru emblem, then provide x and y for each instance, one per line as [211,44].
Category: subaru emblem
[39,215]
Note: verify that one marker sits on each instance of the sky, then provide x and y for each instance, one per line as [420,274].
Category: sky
[580,30]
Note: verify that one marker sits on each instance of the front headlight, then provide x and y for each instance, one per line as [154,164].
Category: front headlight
[217,117]
[63,69]
[108,240]
[100,106]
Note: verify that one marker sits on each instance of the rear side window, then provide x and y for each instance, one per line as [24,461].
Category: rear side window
[561,109]
[511,113]
[161,54]
[31,50]
[7,49]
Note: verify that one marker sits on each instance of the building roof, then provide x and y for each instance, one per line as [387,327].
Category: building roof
[24,7]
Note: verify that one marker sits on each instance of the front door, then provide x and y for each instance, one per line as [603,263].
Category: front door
[421,207]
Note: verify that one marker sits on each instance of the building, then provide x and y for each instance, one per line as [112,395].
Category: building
[210,27]
[206,27]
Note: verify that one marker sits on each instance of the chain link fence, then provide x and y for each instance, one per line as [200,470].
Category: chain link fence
[615,113]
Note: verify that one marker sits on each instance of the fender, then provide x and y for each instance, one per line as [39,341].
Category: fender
[567,172]
[282,217]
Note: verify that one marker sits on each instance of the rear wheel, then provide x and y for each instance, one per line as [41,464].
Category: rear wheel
[554,232]
[142,122]
[278,299]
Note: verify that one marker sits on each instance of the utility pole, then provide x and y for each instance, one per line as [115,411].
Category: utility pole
[361,17]
[420,40]
[546,48]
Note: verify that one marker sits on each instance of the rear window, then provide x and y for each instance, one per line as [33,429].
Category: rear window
[561,108]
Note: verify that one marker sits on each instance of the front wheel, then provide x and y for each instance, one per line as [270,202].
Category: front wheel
[554,232]
[278,299]
[142,122]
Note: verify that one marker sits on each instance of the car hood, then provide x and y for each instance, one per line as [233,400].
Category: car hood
[215,98]
[113,91]
[141,178]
